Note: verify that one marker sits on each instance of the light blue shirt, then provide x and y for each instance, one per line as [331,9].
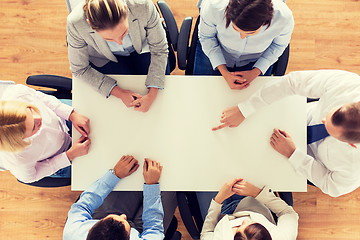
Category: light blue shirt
[224,45]
[123,50]
[80,215]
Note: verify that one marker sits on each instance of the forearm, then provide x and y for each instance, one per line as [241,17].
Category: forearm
[153,213]
[211,219]
[334,183]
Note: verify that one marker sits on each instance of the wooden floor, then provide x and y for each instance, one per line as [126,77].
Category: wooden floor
[32,41]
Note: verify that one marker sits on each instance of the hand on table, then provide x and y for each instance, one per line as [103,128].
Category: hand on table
[126,166]
[143,103]
[151,171]
[231,117]
[282,143]
[244,188]
[79,148]
[226,190]
[81,123]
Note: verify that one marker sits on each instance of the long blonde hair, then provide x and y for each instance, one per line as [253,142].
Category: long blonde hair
[12,125]
[104,14]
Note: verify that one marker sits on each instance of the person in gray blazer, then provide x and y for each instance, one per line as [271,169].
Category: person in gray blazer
[232,216]
[118,37]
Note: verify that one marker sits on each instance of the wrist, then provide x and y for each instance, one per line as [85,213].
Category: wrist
[256,192]
[256,71]
[69,155]
[71,116]
[152,92]
[117,92]
[223,70]
[219,199]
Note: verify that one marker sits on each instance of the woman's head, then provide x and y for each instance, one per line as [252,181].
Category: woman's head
[104,14]
[18,120]
[252,231]
[249,15]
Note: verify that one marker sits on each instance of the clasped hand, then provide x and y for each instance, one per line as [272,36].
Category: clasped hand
[139,102]
[237,186]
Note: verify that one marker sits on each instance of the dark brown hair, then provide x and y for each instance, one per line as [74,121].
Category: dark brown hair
[104,14]
[108,229]
[254,231]
[249,15]
[348,118]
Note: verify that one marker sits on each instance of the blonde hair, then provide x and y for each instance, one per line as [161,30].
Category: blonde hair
[104,14]
[12,125]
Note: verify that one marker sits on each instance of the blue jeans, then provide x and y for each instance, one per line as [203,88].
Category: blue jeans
[202,65]
[229,205]
[135,64]
[62,173]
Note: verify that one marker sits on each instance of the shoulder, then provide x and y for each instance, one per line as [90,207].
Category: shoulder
[139,6]
[77,16]
[282,13]
[16,91]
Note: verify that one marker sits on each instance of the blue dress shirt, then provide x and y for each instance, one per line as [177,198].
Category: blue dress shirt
[80,215]
[224,45]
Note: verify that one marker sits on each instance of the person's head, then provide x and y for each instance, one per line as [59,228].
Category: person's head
[108,18]
[343,123]
[252,231]
[248,16]
[112,227]
[18,121]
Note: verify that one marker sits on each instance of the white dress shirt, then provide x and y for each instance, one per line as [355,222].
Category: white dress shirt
[332,165]
[224,45]
[46,153]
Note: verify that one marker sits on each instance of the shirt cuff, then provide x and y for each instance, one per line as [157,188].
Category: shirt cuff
[296,158]
[217,61]
[263,64]
[62,161]
[110,179]
[151,190]
[246,109]
[264,195]
[108,95]
[153,86]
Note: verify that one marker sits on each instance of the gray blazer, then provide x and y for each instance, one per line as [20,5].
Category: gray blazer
[217,226]
[85,45]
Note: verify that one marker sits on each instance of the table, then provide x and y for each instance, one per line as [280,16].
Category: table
[176,131]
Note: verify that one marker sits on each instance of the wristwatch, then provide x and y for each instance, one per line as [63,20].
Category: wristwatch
[112,171]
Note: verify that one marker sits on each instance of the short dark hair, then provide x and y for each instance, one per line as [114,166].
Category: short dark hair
[249,15]
[348,118]
[254,231]
[104,14]
[108,229]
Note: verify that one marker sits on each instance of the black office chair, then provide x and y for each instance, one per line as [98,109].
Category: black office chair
[186,53]
[191,215]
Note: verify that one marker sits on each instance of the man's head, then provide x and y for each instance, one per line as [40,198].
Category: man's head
[343,123]
[252,231]
[112,227]
[248,16]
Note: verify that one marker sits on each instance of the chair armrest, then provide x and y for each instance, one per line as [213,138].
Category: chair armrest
[49,182]
[63,85]
[170,22]
[183,42]
[50,81]
[190,213]
[281,64]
